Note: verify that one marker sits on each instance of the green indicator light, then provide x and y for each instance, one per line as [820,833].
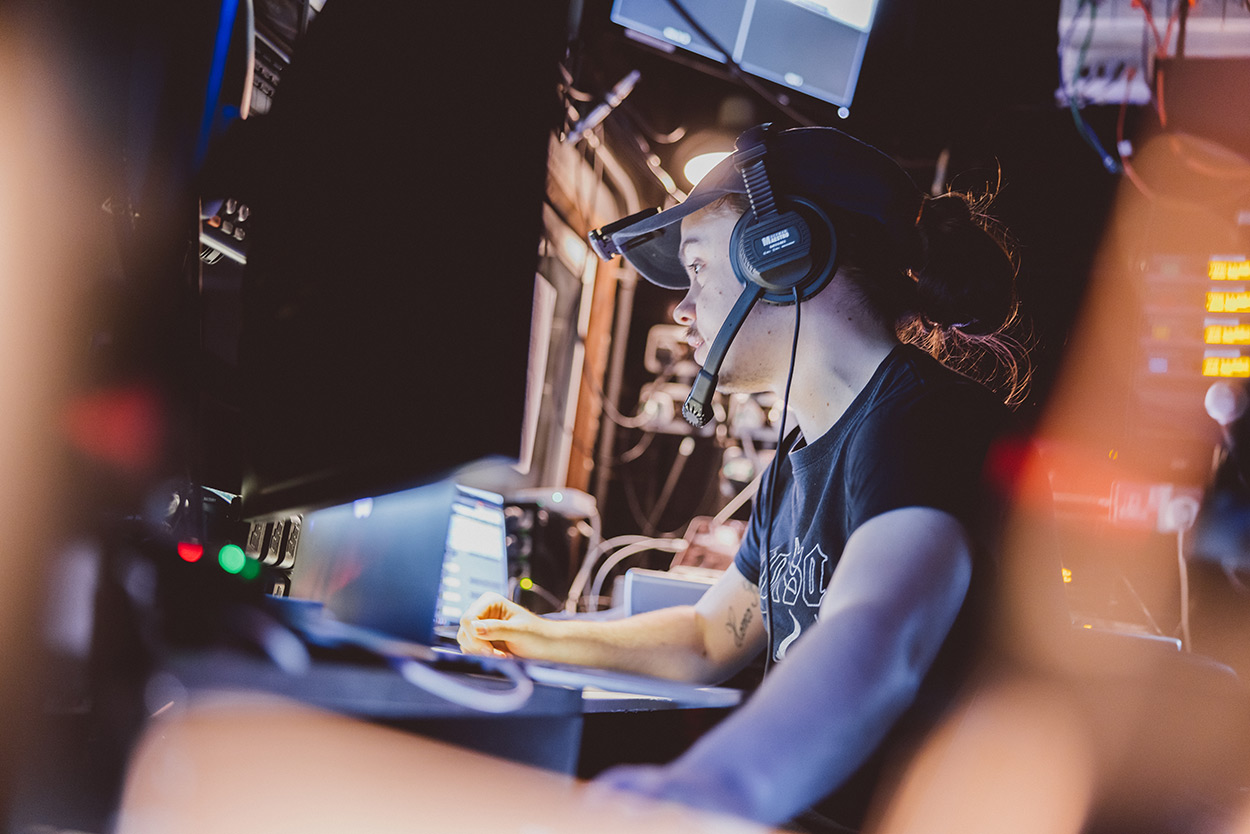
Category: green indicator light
[526,583]
[231,558]
[251,569]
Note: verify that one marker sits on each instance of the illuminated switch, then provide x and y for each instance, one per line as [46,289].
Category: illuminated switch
[1228,302]
[1228,269]
[1227,366]
[1227,334]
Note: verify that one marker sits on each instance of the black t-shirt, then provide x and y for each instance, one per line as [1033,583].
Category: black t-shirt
[917,435]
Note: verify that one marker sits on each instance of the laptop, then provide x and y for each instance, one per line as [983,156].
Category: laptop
[395,573]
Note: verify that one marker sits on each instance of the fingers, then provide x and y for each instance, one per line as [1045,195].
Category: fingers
[677,783]
[466,636]
[646,780]
[470,643]
[475,639]
[485,626]
[493,631]
[618,792]
[488,605]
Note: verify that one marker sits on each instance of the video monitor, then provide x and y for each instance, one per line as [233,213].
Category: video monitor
[813,46]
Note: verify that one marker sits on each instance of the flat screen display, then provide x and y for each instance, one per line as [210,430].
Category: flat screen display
[813,46]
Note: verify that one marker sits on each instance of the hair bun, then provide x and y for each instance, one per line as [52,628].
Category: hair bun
[946,211]
[966,277]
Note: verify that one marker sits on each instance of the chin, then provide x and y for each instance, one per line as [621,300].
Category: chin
[729,383]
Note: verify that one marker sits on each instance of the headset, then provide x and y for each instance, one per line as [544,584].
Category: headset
[783,250]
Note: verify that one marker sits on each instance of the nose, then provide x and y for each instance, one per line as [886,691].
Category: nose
[683,313]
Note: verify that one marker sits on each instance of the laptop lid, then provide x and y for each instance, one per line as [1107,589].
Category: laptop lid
[380,562]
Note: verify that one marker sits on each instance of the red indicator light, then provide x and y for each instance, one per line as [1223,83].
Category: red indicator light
[190,551]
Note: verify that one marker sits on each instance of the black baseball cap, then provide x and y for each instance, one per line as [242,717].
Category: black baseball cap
[830,168]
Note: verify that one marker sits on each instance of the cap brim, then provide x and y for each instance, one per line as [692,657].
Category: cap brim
[652,245]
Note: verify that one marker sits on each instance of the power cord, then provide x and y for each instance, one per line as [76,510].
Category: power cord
[684,451]
[415,664]
[584,573]
[453,688]
[670,545]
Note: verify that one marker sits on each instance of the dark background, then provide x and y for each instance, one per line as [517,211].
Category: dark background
[974,79]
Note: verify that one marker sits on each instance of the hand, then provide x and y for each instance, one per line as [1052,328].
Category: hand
[651,781]
[497,626]
[676,783]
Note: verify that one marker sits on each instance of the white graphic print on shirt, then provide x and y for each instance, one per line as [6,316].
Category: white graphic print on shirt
[784,646]
[798,580]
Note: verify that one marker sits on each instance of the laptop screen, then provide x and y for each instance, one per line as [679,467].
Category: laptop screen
[476,557]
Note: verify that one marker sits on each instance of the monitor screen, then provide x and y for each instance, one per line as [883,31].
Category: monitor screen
[813,46]
[390,277]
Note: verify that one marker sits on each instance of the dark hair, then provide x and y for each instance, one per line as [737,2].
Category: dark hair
[951,292]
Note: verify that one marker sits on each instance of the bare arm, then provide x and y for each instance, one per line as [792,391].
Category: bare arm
[818,716]
[703,643]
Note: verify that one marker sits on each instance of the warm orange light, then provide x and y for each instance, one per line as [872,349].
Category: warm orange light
[1224,270]
[1226,334]
[1228,302]
[1067,576]
[1226,366]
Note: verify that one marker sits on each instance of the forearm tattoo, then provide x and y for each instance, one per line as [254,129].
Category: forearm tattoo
[738,627]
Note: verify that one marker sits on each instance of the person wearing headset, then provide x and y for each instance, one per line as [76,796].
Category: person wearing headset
[862,574]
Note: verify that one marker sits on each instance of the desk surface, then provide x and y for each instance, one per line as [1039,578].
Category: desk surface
[378,692]
[357,689]
[545,730]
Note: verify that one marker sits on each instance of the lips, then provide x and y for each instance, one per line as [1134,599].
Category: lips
[692,338]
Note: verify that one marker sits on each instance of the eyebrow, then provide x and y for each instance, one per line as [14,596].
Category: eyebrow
[681,250]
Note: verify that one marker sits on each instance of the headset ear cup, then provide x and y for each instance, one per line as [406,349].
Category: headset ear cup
[808,267]
[740,258]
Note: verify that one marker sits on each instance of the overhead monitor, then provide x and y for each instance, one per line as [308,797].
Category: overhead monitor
[813,46]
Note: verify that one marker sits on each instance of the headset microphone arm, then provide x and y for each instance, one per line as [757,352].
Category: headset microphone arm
[698,407]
